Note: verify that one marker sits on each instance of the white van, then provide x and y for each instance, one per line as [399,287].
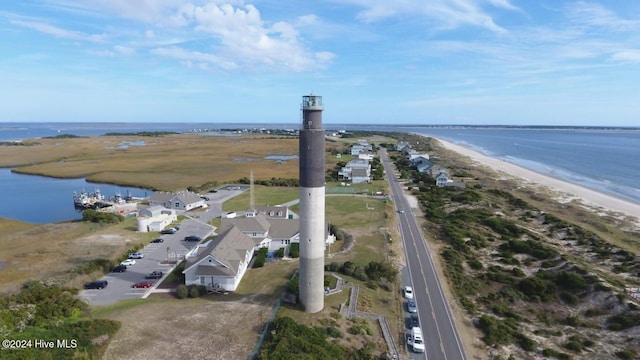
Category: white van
[415,340]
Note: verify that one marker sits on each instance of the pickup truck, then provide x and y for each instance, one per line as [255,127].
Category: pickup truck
[154,275]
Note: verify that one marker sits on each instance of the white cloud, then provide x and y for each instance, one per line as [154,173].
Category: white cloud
[189,57]
[237,34]
[58,32]
[124,50]
[102,53]
[446,14]
[629,56]
[595,15]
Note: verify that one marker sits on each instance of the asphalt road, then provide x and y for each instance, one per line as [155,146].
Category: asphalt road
[442,341]
[119,287]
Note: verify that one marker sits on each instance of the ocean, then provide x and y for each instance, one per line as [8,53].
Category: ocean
[603,159]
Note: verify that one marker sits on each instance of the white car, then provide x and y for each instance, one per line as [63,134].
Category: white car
[128,262]
[136,255]
[408,292]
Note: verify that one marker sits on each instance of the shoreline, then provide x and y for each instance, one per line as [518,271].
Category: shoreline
[591,199]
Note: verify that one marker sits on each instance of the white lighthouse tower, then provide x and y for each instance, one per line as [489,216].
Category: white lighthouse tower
[312,224]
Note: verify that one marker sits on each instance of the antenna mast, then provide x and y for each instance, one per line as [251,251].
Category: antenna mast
[252,203]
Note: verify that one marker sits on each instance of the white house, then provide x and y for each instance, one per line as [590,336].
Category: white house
[221,262]
[182,200]
[361,146]
[255,227]
[442,179]
[401,146]
[366,155]
[155,218]
[417,157]
[269,232]
[283,232]
[347,171]
[360,176]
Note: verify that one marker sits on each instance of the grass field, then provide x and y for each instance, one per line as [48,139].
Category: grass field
[50,251]
[262,196]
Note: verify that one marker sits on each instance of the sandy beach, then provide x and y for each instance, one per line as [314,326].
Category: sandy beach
[597,201]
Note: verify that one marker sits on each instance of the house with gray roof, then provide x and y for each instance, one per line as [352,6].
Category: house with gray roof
[255,227]
[273,233]
[283,233]
[360,176]
[221,262]
[399,146]
[155,218]
[346,173]
[181,200]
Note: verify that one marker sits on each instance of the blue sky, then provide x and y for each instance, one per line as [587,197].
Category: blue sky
[524,62]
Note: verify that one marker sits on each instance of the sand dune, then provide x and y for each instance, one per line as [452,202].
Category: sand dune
[590,198]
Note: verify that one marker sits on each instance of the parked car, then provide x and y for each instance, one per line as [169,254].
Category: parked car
[154,275]
[128,262]
[119,268]
[136,255]
[415,340]
[97,284]
[170,230]
[414,321]
[408,292]
[192,238]
[411,306]
[157,241]
[142,284]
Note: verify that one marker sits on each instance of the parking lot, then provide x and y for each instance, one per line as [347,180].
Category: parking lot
[156,254]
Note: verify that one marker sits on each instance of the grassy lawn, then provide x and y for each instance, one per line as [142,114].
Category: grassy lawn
[267,282]
[263,195]
[353,211]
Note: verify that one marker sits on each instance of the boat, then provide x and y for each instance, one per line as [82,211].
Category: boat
[85,200]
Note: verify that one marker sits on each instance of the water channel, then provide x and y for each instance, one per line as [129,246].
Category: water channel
[41,200]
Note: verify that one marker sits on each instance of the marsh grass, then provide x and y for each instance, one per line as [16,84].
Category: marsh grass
[167,163]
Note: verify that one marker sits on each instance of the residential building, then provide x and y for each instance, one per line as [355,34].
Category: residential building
[182,200]
[221,262]
[155,218]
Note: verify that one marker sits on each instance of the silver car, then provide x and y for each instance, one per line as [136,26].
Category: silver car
[411,306]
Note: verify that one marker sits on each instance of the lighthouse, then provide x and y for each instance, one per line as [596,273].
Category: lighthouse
[312,223]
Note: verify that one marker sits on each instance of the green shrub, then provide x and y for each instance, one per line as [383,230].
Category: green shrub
[496,331]
[623,321]
[594,312]
[556,354]
[280,253]
[261,257]
[627,354]
[193,292]
[334,332]
[294,250]
[182,291]
[101,217]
